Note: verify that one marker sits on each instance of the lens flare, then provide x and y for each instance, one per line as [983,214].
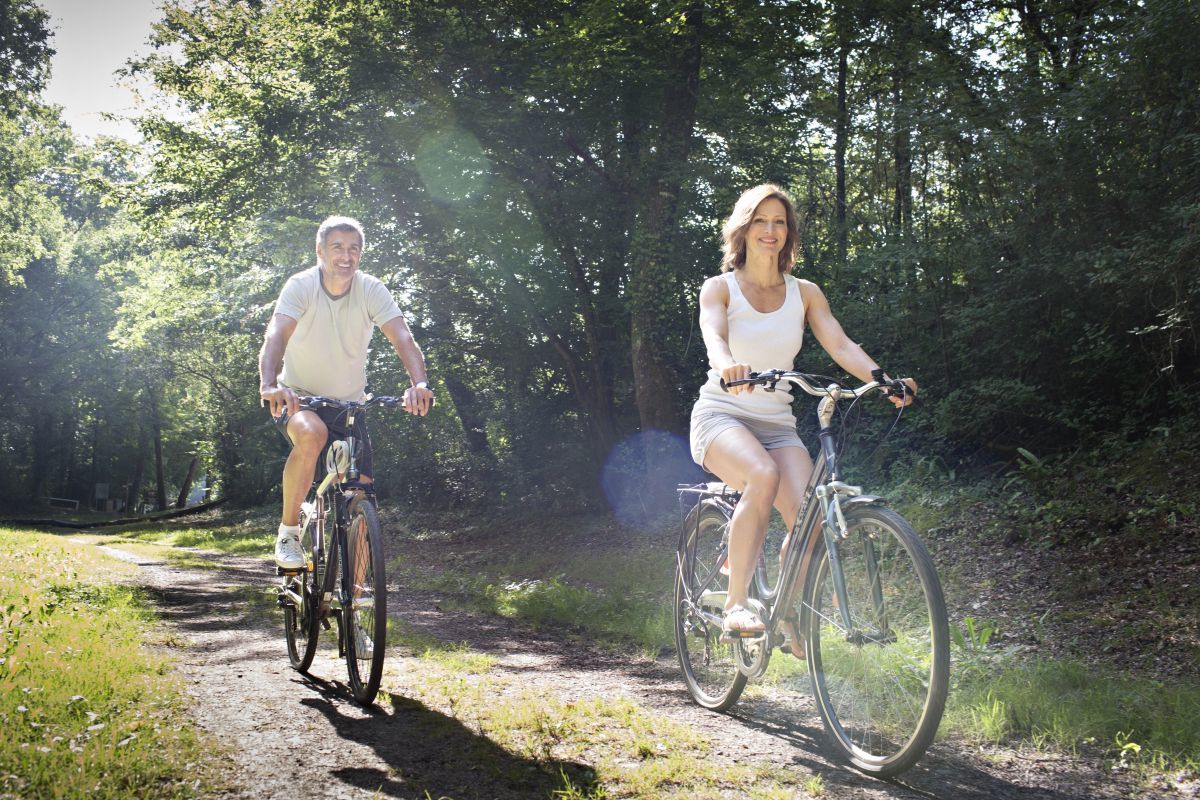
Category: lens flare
[641,474]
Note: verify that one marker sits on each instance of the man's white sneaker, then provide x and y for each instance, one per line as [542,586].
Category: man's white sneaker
[288,553]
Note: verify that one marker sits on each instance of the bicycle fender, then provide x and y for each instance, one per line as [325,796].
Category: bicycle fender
[848,503]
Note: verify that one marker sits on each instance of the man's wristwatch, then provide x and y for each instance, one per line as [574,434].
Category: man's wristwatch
[421,385]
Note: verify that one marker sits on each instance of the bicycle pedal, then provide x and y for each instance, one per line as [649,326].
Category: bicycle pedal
[289,571]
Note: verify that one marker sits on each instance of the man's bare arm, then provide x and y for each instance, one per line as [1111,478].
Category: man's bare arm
[417,398]
[270,363]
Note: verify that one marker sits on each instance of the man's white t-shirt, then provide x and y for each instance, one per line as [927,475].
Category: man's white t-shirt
[327,354]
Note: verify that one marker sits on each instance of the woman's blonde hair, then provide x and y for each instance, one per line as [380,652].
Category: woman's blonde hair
[733,234]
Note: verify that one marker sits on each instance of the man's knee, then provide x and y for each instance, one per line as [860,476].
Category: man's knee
[307,432]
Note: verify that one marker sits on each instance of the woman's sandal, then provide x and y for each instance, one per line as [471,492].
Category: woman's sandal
[740,622]
[792,642]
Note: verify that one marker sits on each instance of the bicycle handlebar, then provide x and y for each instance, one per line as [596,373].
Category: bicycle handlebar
[384,401]
[769,379]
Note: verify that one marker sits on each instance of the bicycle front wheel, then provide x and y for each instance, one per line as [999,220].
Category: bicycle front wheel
[881,681]
[363,599]
[709,666]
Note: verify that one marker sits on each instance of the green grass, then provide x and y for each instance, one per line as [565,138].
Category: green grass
[85,710]
[1063,704]
[250,534]
[616,597]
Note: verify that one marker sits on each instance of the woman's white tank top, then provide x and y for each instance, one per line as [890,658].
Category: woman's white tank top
[764,341]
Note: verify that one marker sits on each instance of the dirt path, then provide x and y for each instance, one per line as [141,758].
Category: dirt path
[289,735]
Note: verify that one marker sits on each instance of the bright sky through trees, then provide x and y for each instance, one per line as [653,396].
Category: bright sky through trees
[93,39]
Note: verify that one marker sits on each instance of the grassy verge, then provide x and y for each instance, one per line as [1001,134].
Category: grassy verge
[251,534]
[1153,726]
[616,591]
[85,711]
[617,613]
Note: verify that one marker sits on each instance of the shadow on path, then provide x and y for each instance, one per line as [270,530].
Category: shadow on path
[427,753]
[939,774]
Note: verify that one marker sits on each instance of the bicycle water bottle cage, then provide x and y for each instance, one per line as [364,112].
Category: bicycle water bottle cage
[337,457]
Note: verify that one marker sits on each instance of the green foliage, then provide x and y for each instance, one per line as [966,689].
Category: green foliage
[543,188]
[1117,486]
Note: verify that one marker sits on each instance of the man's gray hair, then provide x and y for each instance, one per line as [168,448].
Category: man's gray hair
[340,224]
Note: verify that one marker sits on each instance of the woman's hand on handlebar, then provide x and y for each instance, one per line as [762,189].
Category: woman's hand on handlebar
[418,400]
[737,372]
[909,396]
[280,399]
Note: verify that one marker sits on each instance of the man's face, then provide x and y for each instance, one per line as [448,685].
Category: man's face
[340,254]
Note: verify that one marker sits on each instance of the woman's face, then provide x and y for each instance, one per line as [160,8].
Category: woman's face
[768,229]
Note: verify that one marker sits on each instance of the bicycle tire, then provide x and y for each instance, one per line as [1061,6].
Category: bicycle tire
[709,667]
[881,694]
[363,597]
[301,625]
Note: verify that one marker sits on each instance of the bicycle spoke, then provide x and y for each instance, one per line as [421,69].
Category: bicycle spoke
[881,686]
[709,668]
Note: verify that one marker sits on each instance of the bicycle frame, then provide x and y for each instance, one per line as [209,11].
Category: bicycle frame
[831,495]
[343,479]
[878,719]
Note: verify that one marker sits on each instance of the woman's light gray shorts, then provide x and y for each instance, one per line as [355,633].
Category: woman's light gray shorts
[708,424]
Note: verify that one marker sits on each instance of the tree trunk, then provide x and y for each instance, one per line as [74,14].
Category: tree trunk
[842,135]
[902,153]
[42,456]
[159,476]
[139,473]
[68,478]
[651,280]
[92,473]
[187,482]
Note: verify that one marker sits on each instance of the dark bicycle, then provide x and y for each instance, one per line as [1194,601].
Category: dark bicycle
[343,577]
[859,587]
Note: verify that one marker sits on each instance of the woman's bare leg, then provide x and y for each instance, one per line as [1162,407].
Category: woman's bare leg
[738,459]
[795,468]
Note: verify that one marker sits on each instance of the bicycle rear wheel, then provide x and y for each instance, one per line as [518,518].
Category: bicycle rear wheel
[880,684]
[300,620]
[363,599]
[709,667]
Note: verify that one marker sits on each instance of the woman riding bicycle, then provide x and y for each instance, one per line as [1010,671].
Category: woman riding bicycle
[752,317]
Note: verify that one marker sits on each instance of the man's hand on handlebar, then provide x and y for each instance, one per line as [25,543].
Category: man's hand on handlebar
[418,400]
[280,399]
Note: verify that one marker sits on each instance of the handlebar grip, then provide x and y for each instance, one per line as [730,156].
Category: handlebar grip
[752,379]
[432,402]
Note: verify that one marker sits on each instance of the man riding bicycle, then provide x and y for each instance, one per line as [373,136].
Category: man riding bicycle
[316,344]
